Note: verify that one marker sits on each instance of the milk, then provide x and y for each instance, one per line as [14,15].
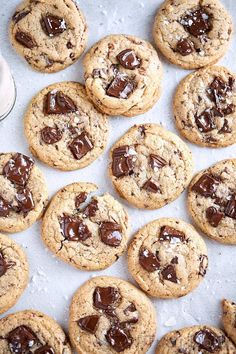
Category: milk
[7,89]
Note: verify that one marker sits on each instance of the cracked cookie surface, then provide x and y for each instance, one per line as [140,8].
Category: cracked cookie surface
[167,258]
[212,201]
[109,315]
[229,318]
[204,107]
[192,33]
[88,233]
[49,35]
[63,128]
[123,75]
[150,166]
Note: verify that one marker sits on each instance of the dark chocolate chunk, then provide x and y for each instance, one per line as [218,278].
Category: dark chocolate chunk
[197,22]
[205,121]
[56,102]
[25,200]
[122,162]
[91,208]
[208,340]
[21,339]
[106,298]
[45,349]
[51,135]
[80,199]
[151,186]
[214,216]
[4,265]
[175,260]
[19,15]
[53,25]
[219,90]
[206,185]
[128,59]
[5,208]
[18,169]
[171,235]
[169,273]
[121,86]
[73,229]
[157,161]
[81,145]
[225,128]
[130,308]
[119,338]
[25,39]
[229,109]
[230,209]
[148,260]
[110,233]
[185,46]
[203,265]
[89,323]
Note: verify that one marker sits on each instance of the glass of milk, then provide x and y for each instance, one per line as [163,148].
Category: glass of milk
[7,89]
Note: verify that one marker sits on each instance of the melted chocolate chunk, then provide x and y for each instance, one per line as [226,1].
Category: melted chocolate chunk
[157,162]
[225,128]
[171,235]
[230,209]
[205,121]
[121,87]
[5,208]
[45,349]
[169,273]
[80,146]
[122,162]
[130,308]
[53,25]
[21,339]
[110,233]
[203,265]
[25,200]
[214,216]
[56,102]
[73,229]
[229,109]
[128,59]
[175,260]
[219,90]
[151,186]
[148,260]
[51,135]
[91,208]
[106,298]
[185,46]
[4,265]
[25,39]
[89,323]
[18,169]
[197,22]
[208,340]
[80,199]
[19,15]
[119,338]
[206,186]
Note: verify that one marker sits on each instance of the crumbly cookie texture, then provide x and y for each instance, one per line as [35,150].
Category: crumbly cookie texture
[195,340]
[229,318]
[192,33]
[49,35]
[212,201]
[13,272]
[88,233]
[150,166]
[123,75]
[23,192]
[204,107]
[63,128]
[167,258]
[31,331]
[109,315]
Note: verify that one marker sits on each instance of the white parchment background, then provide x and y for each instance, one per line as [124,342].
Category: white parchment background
[52,282]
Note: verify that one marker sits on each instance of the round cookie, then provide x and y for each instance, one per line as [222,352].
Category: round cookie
[88,233]
[63,128]
[196,340]
[212,201]
[204,107]
[123,75]
[167,258]
[49,35]
[13,273]
[150,166]
[23,192]
[192,33]
[109,315]
[228,319]
[31,331]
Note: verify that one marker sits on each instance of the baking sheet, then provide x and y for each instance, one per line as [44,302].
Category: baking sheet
[52,282]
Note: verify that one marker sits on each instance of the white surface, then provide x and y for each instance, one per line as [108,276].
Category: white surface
[54,282]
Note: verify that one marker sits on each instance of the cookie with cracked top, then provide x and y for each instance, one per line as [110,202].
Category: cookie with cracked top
[49,35]
[228,319]
[109,315]
[192,33]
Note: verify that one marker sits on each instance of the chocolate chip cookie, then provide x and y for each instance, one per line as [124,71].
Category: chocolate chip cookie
[23,192]
[212,201]
[49,35]
[13,273]
[63,128]
[123,75]
[192,33]
[150,166]
[167,258]
[32,332]
[109,315]
[86,230]
[228,318]
[196,340]
[205,107]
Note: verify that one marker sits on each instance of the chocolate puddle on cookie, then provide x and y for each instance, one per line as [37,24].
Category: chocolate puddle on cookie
[53,25]
[208,340]
[128,59]
[56,102]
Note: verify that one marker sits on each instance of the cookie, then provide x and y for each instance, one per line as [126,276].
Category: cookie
[123,75]
[204,107]
[23,192]
[85,230]
[192,33]
[63,128]
[109,315]
[167,258]
[31,331]
[150,166]
[228,318]
[49,35]
[212,201]
[196,340]
[13,273]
